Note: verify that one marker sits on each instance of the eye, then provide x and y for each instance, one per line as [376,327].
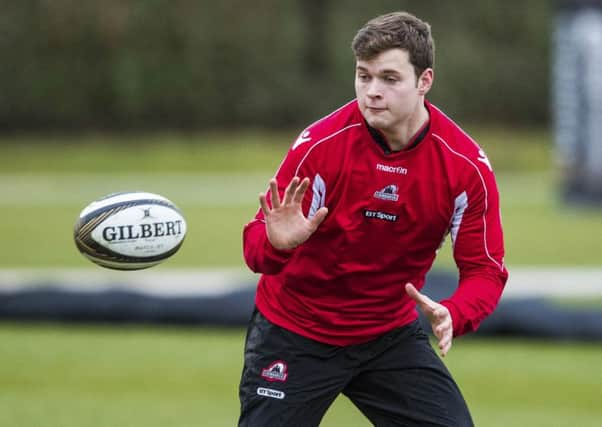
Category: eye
[363,77]
[391,79]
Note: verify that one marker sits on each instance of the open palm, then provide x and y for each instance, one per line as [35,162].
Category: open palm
[286,225]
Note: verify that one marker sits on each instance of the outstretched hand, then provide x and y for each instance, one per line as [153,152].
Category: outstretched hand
[286,225]
[438,315]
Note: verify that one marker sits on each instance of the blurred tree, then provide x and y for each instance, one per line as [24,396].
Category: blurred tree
[199,64]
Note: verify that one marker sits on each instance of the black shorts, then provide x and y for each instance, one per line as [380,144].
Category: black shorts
[394,380]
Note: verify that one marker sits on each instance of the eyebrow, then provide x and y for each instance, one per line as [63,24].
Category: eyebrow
[385,71]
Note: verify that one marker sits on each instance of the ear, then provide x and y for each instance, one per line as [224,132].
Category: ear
[425,81]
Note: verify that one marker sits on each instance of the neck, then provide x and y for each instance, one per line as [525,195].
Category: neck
[400,137]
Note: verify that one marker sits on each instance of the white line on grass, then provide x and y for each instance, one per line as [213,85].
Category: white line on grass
[572,282]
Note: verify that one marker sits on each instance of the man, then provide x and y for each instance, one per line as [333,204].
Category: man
[345,236]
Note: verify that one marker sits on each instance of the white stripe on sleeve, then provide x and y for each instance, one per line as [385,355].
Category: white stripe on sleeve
[319,196]
[460,205]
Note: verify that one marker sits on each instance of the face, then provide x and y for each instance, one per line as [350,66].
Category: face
[388,92]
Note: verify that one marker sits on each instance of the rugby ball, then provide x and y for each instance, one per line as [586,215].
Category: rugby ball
[129,230]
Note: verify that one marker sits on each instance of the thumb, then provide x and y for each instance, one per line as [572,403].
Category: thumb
[414,293]
[319,216]
[423,301]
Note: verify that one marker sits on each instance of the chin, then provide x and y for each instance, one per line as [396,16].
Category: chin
[376,123]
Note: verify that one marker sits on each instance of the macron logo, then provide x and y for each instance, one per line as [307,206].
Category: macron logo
[483,159]
[392,169]
[304,137]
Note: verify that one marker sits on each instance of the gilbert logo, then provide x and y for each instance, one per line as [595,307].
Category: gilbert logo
[277,371]
[146,213]
[270,392]
[121,233]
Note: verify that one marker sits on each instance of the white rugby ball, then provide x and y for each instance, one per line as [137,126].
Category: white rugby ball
[129,230]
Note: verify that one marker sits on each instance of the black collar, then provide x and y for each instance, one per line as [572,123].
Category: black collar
[380,139]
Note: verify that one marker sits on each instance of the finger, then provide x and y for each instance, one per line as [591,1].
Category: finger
[275,197]
[264,204]
[317,219]
[445,344]
[444,332]
[441,329]
[300,192]
[445,341]
[412,292]
[422,300]
[290,190]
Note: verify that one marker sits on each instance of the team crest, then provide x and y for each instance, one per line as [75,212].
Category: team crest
[277,371]
[388,193]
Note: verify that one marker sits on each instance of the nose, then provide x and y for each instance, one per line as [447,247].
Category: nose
[373,89]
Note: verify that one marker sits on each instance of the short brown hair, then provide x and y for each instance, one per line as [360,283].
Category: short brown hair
[400,30]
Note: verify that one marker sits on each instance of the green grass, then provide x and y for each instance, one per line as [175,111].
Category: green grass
[538,228]
[105,376]
[214,238]
[215,178]
[529,383]
[248,151]
[132,376]
[152,153]
[38,214]
[515,149]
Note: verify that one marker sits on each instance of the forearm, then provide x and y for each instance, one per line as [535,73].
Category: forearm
[476,298]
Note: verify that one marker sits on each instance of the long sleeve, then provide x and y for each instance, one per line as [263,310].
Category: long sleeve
[477,236]
[260,255]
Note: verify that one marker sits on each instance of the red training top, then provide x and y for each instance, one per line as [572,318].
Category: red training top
[388,214]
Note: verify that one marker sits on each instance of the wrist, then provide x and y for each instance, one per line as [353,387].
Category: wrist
[281,254]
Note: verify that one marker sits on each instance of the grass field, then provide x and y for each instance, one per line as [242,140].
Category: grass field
[76,375]
[132,376]
[215,179]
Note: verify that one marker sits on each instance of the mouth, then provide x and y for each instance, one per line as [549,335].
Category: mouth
[375,109]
